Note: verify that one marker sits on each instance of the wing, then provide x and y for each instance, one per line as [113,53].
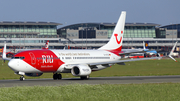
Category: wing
[122,61]
[173,51]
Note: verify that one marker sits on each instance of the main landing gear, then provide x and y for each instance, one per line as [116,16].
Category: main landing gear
[22,78]
[57,76]
[85,77]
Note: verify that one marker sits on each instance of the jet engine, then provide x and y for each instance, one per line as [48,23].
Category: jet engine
[33,74]
[81,70]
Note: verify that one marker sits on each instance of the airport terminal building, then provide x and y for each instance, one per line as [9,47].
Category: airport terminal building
[94,35]
[85,35]
[27,34]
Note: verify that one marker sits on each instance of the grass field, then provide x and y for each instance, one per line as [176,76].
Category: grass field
[136,68]
[106,92]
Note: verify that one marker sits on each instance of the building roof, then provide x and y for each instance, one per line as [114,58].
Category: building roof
[176,25]
[131,24]
[110,24]
[28,23]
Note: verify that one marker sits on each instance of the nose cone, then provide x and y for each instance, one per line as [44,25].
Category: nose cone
[13,64]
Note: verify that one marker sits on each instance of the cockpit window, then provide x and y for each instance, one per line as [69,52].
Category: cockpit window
[18,58]
[22,57]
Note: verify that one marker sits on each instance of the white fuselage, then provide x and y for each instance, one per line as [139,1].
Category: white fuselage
[42,60]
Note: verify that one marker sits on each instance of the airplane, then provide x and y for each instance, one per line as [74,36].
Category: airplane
[145,49]
[143,52]
[77,62]
[150,52]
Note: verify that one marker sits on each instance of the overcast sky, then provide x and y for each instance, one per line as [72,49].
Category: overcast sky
[69,12]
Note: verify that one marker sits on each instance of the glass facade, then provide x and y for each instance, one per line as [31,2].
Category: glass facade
[87,34]
[109,28]
[28,30]
[139,30]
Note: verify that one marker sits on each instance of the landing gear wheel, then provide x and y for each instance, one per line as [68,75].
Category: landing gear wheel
[22,78]
[85,77]
[57,76]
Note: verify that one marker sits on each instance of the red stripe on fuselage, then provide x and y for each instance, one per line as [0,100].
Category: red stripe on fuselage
[43,60]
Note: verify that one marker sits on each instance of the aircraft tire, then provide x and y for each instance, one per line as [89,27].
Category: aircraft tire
[84,77]
[59,76]
[55,76]
[22,78]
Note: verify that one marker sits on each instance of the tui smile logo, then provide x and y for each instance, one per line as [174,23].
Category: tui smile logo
[118,41]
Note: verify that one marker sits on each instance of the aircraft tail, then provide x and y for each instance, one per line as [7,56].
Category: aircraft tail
[46,45]
[115,42]
[145,45]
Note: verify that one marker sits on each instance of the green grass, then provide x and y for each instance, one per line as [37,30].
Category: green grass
[106,92]
[136,68]
[143,68]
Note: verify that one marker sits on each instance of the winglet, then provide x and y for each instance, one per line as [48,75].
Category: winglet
[172,58]
[171,53]
[4,52]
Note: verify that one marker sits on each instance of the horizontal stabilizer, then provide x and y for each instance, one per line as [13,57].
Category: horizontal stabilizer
[128,53]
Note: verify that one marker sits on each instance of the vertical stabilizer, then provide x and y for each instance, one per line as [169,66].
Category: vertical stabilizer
[146,44]
[115,42]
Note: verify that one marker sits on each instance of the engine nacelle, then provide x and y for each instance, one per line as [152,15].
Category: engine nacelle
[81,70]
[33,74]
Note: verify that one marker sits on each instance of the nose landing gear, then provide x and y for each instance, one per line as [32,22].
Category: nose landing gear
[22,78]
